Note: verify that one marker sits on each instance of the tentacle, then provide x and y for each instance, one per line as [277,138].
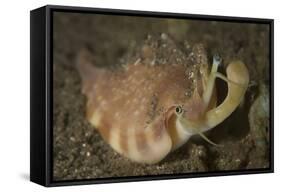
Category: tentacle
[208,140]
[237,80]
[207,95]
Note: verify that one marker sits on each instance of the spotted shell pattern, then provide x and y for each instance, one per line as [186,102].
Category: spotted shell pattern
[131,106]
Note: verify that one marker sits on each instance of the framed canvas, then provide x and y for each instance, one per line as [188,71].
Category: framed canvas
[123,95]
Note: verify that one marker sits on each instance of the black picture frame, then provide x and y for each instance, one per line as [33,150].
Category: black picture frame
[41,93]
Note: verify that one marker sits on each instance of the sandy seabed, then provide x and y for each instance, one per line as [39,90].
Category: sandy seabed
[79,151]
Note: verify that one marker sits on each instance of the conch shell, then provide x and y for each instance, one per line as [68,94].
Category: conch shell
[144,112]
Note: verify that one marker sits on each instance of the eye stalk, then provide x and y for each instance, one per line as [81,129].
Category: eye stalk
[179,110]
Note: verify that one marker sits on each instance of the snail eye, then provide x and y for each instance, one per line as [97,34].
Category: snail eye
[178,110]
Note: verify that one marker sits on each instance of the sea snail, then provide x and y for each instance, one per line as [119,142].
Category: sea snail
[143,112]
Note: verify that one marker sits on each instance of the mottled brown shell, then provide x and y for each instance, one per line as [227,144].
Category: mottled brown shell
[129,105]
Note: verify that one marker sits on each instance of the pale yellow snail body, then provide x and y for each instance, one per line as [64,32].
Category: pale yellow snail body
[143,111]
